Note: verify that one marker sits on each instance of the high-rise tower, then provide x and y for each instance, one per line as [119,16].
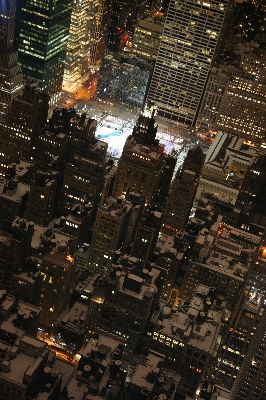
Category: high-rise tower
[10,74]
[43,34]
[192,35]
[100,16]
[252,194]
[83,19]
[21,124]
[250,381]
[144,168]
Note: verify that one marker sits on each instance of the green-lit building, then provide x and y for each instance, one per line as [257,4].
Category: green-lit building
[43,34]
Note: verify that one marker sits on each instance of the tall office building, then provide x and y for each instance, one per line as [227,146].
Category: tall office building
[21,124]
[43,34]
[183,191]
[56,283]
[101,12]
[250,383]
[147,37]
[40,204]
[147,234]
[252,194]
[154,6]
[10,74]
[117,22]
[109,232]
[135,12]
[234,99]
[130,295]
[84,36]
[192,36]
[77,45]
[144,168]
[179,202]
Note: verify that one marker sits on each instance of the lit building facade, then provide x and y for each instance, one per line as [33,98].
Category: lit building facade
[144,168]
[10,73]
[147,37]
[83,182]
[216,87]
[192,35]
[56,282]
[242,110]
[44,29]
[20,126]
[234,99]
[117,22]
[187,335]
[100,16]
[244,345]
[79,41]
[146,235]
[109,231]
[40,204]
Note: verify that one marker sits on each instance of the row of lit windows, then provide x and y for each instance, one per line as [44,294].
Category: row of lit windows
[168,341]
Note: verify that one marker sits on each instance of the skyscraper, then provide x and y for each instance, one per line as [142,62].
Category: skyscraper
[135,12]
[109,231]
[147,37]
[234,99]
[101,12]
[10,74]
[84,19]
[250,381]
[43,34]
[21,124]
[183,191]
[193,33]
[144,168]
[117,22]
[147,234]
[56,283]
[252,194]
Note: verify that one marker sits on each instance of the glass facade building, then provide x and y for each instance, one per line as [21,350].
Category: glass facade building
[43,35]
[193,33]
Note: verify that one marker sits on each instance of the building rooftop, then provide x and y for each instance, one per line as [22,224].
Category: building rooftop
[151,24]
[21,167]
[171,245]
[145,153]
[100,365]
[226,249]
[88,284]
[227,150]
[74,319]
[6,302]
[150,375]
[115,207]
[136,284]
[45,238]
[17,323]
[14,193]
[195,322]
[19,363]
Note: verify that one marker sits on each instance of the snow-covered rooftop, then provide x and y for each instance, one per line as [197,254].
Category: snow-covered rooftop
[196,324]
